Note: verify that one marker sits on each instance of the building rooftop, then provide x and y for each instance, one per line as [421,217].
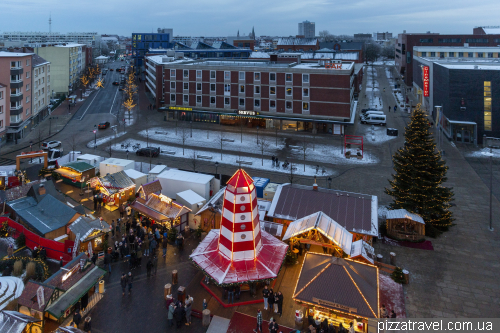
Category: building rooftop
[187,176]
[69,45]
[38,61]
[4,54]
[456,48]
[297,41]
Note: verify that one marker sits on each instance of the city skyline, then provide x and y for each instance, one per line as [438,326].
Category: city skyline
[274,19]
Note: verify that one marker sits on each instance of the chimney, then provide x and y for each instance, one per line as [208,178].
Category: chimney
[315,185]
[41,190]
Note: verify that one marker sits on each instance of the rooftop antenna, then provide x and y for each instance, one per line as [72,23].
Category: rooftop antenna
[50,23]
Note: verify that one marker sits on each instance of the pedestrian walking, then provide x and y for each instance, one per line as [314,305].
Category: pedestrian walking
[113,225]
[189,303]
[389,108]
[180,242]
[395,108]
[280,303]
[351,328]
[107,261]
[123,228]
[152,246]
[164,244]
[117,228]
[171,310]
[126,251]
[383,311]
[271,299]
[121,209]
[277,162]
[265,295]
[230,295]
[273,326]
[95,203]
[155,264]
[259,321]
[179,314]
[123,283]
[276,299]
[146,246]
[274,160]
[87,326]
[139,255]
[130,279]
[149,265]
[77,319]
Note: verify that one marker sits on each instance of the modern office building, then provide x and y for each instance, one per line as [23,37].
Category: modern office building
[35,39]
[67,64]
[15,74]
[406,42]
[293,44]
[307,29]
[3,112]
[283,92]
[467,91]
[382,35]
[142,42]
[41,88]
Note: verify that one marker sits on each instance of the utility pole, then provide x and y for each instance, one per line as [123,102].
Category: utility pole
[491,189]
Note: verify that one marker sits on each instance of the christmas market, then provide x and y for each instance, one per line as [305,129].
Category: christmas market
[89,233]
[404,225]
[161,209]
[115,189]
[76,173]
[337,290]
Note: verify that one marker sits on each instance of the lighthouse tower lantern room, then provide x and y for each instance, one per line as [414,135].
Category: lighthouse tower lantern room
[240,251]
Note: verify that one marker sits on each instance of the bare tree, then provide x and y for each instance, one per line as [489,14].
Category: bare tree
[263,147]
[304,146]
[326,36]
[193,160]
[372,52]
[291,175]
[220,138]
[276,128]
[184,137]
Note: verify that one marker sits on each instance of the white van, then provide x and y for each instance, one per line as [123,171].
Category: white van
[374,119]
[366,114]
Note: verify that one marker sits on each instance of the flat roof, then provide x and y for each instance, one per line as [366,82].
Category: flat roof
[456,48]
[190,196]
[70,45]
[479,66]
[14,54]
[134,174]
[191,177]
[117,161]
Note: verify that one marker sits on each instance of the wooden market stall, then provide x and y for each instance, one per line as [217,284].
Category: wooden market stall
[115,188]
[210,213]
[404,225]
[89,233]
[76,173]
[338,291]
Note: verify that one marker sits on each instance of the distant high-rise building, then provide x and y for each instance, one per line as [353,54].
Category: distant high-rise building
[382,35]
[307,29]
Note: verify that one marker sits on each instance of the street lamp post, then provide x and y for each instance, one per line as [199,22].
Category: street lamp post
[491,189]
[95,136]
[216,166]
[257,134]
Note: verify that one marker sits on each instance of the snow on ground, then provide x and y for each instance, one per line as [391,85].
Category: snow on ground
[385,62]
[382,212]
[227,158]
[321,153]
[375,134]
[485,152]
[105,139]
[7,241]
[392,296]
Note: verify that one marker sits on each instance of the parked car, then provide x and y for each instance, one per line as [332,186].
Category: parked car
[51,144]
[364,115]
[103,125]
[374,119]
[111,69]
[115,83]
[149,152]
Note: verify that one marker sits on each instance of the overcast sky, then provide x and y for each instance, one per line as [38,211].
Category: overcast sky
[226,17]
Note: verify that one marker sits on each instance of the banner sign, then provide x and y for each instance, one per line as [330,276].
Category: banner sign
[426,80]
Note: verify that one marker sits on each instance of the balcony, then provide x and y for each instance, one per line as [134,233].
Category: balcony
[16,98]
[16,110]
[16,71]
[14,84]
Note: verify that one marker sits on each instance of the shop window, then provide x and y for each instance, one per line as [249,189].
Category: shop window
[272,77]
[186,73]
[288,77]
[257,103]
[212,74]
[272,104]
[257,76]
[198,87]
[289,91]
[305,78]
[242,102]
[242,88]
[257,89]
[172,97]
[212,86]
[242,75]
[288,105]
[198,99]
[227,101]
[305,92]
[186,98]
[186,86]
[198,74]
[227,75]
[212,99]
[305,106]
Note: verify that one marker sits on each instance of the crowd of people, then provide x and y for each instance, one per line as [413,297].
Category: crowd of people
[180,312]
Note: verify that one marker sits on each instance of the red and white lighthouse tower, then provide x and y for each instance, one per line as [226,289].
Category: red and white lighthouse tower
[240,251]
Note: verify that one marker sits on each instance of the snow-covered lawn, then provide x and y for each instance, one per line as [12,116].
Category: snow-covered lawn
[227,158]
[375,134]
[105,139]
[321,153]
[485,152]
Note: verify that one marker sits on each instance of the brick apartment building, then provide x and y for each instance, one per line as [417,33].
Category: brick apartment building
[16,76]
[406,42]
[297,44]
[284,91]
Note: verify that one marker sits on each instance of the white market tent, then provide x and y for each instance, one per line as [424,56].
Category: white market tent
[404,214]
[325,225]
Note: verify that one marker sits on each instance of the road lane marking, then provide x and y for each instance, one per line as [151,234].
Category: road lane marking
[89,105]
[112,104]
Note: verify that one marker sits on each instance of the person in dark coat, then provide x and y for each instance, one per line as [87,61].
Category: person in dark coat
[324,325]
[123,283]
[77,319]
[130,279]
[87,326]
[179,314]
[280,303]
[271,299]
[149,265]
[273,326]
[107,261]
[94,258]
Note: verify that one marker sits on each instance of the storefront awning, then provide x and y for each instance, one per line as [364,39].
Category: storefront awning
[76,292]
[149,212]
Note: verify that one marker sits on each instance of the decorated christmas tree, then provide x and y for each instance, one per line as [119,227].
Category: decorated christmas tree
[417,185]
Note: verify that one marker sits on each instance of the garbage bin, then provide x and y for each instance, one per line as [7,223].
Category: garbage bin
[174,276]
[392,132]
[299,318]
[167,290]
[101,287]
[181,295]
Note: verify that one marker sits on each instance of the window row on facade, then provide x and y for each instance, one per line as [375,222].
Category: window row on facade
[271,76]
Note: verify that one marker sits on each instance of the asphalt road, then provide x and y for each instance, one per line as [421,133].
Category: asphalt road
[106,100]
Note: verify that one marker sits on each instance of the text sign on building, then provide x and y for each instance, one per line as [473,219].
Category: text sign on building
[179,108]
[333,64]
[40,297]
[247,113]
[334,305]
[425,75]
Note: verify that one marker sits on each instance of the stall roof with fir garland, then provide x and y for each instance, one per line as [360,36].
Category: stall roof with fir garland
[240,251]
[78,166]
